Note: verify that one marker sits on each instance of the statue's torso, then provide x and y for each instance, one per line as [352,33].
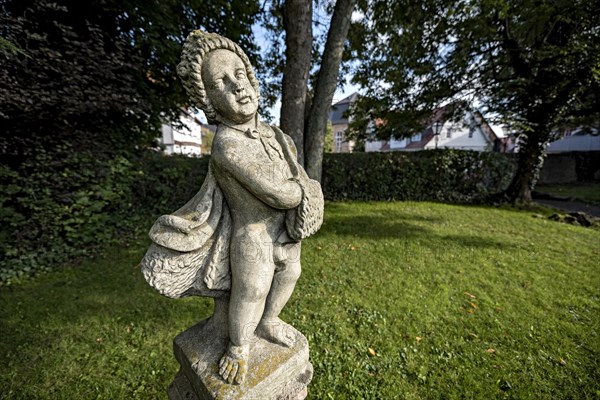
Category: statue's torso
[252,217]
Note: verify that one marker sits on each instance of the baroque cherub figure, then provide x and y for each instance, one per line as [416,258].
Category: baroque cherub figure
[239,237]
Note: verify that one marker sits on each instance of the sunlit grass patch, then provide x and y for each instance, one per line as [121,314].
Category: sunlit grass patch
[398,300]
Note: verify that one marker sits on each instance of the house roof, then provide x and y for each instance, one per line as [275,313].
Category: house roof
[186,111]
[443,114]
[485,127]
[336,116]
[426,137]
[575,143]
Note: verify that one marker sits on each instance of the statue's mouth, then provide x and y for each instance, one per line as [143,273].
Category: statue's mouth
[245,99]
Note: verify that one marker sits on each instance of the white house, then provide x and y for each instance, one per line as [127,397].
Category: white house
[186,139]
[471,132]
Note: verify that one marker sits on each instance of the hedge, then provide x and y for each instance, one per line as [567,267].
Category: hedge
[55,209]
[60,205]
[444,175]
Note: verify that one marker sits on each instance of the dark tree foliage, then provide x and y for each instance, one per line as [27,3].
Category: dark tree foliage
[68,84]
[101,70]
[533,64]
[85,85]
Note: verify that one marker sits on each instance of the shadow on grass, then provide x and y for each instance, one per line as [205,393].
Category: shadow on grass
[403,226]
[372,227]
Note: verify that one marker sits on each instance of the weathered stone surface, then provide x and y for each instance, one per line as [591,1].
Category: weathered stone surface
[238,240]
[275,372]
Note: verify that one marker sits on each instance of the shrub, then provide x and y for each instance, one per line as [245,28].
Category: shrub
[58,204]
[165,183]
[444,175]
[62,204]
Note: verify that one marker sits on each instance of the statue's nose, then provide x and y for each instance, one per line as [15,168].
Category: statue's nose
[238,89]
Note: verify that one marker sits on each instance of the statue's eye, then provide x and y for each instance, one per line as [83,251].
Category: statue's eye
[240,74]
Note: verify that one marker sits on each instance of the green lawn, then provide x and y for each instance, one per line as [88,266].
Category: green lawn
[587,192]
[398,300]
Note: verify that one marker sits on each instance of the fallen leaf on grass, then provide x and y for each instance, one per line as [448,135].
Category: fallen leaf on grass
[562,362]
[470,295]
[473,305]
[372,352]
[418,338]
[491,351]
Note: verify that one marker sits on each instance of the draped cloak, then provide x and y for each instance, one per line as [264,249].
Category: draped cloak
[190,250]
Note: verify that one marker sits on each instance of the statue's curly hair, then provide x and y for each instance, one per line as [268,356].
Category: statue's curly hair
[197,45]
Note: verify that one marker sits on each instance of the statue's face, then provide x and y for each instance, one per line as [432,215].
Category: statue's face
[228,87]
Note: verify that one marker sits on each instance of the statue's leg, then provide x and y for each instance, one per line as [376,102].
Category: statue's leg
[251,276]
[284,280]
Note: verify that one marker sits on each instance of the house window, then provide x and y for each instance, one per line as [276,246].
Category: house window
[449,132]
[471,131]
[416,137]
[339,138]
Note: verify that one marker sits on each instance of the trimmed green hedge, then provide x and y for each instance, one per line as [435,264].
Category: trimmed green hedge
[444,175]
[58,206]
[165,183]
[63,204]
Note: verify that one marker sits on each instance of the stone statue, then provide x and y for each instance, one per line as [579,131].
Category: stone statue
[237,240]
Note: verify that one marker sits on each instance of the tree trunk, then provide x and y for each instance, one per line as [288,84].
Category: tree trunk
[297,20]
[531,158]
[325,87]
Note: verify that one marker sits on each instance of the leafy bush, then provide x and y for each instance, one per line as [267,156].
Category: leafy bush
[58,204]
[165,183]
[444,175]
[61,204]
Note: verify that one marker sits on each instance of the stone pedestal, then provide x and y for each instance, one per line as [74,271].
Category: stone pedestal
[274,371]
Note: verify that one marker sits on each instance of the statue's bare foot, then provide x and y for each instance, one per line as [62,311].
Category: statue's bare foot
[276,331]
[234,364]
